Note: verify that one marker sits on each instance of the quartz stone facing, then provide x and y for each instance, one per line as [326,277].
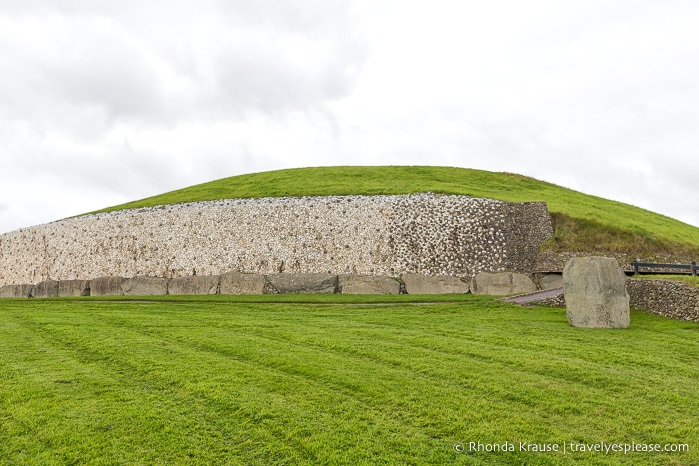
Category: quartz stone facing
[425,234]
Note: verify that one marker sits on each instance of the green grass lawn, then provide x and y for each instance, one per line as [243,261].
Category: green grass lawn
[582,222]
[229,380]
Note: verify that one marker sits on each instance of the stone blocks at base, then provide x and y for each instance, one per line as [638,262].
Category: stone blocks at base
[15,291]
[367,284]
[242,283]
[503,283]
[303,282]
[194,285]
[440,284]
[106,286]
[595,293]
[73,288]
[551,281]
[144,286]
[45,289]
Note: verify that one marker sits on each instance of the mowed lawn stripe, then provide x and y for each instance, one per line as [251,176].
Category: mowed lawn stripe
[285,390]
[232,383]
[140,404]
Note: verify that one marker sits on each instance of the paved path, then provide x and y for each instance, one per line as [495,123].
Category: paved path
[531,297]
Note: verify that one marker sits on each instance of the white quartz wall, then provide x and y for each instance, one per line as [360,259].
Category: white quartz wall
[381,235]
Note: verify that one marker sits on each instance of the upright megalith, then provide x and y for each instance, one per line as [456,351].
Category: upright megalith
[595,293]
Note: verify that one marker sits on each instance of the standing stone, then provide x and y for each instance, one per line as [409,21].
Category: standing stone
[502,283]
[45,289]
[73,288]
[144,286]
[595,293]
[303,282]
[242,283]
[106,286]
[193,285]
[440,284]
[367,284]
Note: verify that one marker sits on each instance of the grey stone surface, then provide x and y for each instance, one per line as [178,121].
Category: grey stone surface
[144,286]
[441,284]
[73,288]
[303,282]
[45,289]
[595,293]
[367,284]
[242,283]
[15,291]
[106,286]
[194,285]
[667,298]
[551,281]
[502,283]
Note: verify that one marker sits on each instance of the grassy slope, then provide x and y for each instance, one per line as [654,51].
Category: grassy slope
[212,382]
[583,222]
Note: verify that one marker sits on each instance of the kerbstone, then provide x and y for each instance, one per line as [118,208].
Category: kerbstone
[303,282]
[144,286]
[45,289]
[502,283]
[194,285]
[242,283]
[73,288]
[595,293]
[440,284]
[15,291]
[551,281]
[106,286]
[367,284]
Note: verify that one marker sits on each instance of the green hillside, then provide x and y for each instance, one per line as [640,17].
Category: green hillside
[583,222]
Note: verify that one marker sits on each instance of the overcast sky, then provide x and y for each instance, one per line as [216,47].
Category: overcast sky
[105,101]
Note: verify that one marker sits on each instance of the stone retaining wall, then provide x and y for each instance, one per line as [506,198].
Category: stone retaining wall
[374,235]
[667,298]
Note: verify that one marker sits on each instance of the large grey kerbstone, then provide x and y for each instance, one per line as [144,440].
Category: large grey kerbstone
[194,285]
[367,284]
[502,283]
[242,283]
[595,293]
[144,286]
[440,284]
[303,282]
[106,286]
[45,289]
[16,291]
[551,281]
[73,288]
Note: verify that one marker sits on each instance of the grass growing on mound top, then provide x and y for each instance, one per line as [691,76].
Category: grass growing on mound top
[615,226]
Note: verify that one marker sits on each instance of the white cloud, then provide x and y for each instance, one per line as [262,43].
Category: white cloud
[103,102]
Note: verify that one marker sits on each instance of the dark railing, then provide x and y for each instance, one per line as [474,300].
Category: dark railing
[660,268]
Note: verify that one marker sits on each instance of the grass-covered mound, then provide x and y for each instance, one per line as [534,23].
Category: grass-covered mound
[582,222]
[222,380]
